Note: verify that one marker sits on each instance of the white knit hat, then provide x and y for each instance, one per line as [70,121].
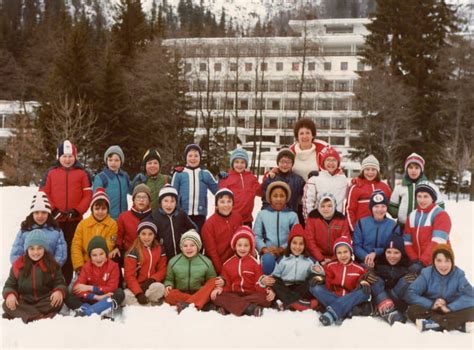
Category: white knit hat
[40,202]
[193,236]
[371,162]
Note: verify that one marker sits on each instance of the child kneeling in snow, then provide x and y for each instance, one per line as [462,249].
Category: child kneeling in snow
[293,273]
[145,267]
[238,290]
[35,288]
[345,287]
[190,276]
[441,297]
[96,289]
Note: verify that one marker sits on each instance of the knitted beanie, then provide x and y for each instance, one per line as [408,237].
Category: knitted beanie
[147,224]
[100,194]
[278,184]
[36,237]
[296,231]
[97,242]
[151,153]
[114,150]
[66,148]
[324,196]
[378,197]
[446,250]
[285,152]
[239,153]
[190,147]
[193,236]
[428,187]
[395,241]
[224,192]
[141,188]
[243,232]
[40,202]
[370,161]
[167,190]
[343,240]
[417,159]
[327,152]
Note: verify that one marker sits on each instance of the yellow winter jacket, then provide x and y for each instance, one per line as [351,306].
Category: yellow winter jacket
[87,229]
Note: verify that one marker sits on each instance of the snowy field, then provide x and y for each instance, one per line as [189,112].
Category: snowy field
[161,327]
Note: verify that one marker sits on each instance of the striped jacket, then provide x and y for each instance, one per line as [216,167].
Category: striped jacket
[426,228]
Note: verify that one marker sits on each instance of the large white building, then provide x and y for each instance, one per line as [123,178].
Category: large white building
[222,75]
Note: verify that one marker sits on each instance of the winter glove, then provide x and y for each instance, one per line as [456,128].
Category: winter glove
[370,277]
[365,286]
[178,169]
[410,277]
[316,280]
[72,213]
[416,266]
[313,173]
[56,213]
[146,284]
[142,299]
[222,175]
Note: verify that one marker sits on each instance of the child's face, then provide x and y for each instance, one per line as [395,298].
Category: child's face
[413,171]
[285,164]
[189,248]
[424,200]
[278,199]
[100,212]
[146,237]
[35,252]
[98,257]
[224,205]
[330,163]
[297,245]
[141,201]
[152,167]
[239,165]
[343,254]
[193,158]
[168,204]
[379,211]
[114,163]
[242,247]
[67,160]
[370,173]
[326,209]
[443,264]
[40,217]
[393,256]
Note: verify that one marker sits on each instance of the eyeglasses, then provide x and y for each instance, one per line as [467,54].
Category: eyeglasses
[141,197]
[285,162]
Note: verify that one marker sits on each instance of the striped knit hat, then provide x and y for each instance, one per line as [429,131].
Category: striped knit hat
[40,202]
[343,240]
[147,224]
[428,187]
[66,148]
[243,232]
[193,236]
[416,159]
[224,192]
[370,162]
[167,190]
[100,194]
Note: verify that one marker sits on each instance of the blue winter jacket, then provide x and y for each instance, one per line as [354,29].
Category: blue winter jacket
[370,236]
[273,227]
[293,180]
[56,243]
[192,185]
[431,285]
[295,269]
[117,186]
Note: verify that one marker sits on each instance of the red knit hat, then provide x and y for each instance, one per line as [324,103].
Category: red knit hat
[416,159]
[100,194]
[343,240]
[296,231]
[327,152]
[243,232]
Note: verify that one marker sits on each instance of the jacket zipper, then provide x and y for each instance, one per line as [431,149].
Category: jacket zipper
[34,283]
[67,187]
[343,280]
[328,249]
[376,238]
[240,275]
[172,234]
[296,269]
[242,181]
[189,275]
[120,192]
[151,261]
[278,228]
[194,191]
[417,234]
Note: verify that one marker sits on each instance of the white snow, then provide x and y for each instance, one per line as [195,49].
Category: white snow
[162,327]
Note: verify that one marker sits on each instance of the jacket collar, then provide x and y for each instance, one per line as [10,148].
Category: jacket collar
[315,214]
[427,209]
[91,221]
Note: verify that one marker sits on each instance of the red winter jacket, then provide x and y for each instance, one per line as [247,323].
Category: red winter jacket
[359,198]
[154,266]
[245,187]
[321,236]
[241,275]
[68,188]
[127,223]
[216,235]
[424,230]
[104,279]
[342,279]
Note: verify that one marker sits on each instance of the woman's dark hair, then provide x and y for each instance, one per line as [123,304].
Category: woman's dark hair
[304,123]
[287,250]
[48,260]
[27,225]
[377,178]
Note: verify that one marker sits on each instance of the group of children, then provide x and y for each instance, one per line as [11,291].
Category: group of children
[346,257]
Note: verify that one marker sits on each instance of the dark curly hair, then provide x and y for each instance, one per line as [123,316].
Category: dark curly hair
[304,123]
[27,225]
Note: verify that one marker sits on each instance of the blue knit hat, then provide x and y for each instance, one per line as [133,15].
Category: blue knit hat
[428,187]
[114,150]
[378,197]
[190,147]
[395,241]
[239,153]
[36,237]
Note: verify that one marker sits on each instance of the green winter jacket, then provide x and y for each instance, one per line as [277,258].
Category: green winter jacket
[37,285]
[155,183]
[189,274]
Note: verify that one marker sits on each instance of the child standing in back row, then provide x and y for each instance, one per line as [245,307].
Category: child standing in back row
[192,183]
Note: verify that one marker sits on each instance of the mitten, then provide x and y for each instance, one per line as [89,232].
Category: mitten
[56,213]
[410,277]
[370,277]
[146,284]
[72,213]
[222,175]
[142,299]
[316,280]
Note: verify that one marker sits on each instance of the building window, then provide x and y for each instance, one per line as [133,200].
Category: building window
[342,86]
[327,65]
[202,67]
[275,104]
[344,65]
[337,141]
[188,67]
[248,67]
[360,66]
[295,66]
[243,104]
[233,67]
[264,66]
[276,85]
[279,66]
[291,105]
[247,86]
[217,67]
[312,66]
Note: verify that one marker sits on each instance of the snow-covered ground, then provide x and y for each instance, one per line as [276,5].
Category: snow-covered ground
[162,327]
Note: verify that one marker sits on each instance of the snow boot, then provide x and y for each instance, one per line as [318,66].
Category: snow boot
[426,325]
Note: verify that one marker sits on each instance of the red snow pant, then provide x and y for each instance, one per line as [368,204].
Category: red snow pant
[199,298]
[236,303]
